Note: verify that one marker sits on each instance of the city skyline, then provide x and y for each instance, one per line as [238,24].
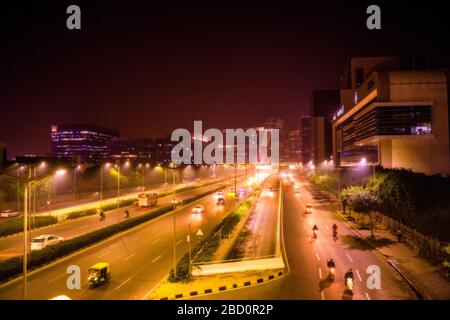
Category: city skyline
[225,155]
[183,66]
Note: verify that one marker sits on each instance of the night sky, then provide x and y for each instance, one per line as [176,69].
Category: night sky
[147,68]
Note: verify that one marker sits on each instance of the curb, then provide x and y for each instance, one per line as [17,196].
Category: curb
[18,277]
[417,292]
[65,221]
[225,287]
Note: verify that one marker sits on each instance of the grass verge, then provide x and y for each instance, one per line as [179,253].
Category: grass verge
[13,266]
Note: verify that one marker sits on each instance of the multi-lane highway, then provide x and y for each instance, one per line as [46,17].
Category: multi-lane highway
[307,258]
[140,258]
[259,234]
[13,245]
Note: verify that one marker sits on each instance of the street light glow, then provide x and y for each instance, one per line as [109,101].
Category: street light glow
[60,172]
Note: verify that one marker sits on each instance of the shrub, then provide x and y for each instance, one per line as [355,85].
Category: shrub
[204,250]
[15,225]
[13,266]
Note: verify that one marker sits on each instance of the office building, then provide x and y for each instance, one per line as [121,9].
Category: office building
[305,139]
[324,104]
[2,155]
[395,118]
[81,143]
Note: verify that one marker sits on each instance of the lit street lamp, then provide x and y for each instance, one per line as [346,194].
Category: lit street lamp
[28,181]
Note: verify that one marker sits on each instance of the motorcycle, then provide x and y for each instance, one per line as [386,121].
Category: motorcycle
[331,272]
[315,233]
[126,214]
[335,235]
[349,283]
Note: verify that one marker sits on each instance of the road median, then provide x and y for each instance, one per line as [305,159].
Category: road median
[13,267]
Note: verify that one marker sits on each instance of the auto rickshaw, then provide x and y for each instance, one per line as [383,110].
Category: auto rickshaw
[308,208]
[99,273]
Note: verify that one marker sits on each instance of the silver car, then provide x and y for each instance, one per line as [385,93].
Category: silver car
[41,242]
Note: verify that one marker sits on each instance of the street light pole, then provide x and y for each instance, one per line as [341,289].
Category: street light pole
[118,185]
[75,183]
[339,188]
[235,185]
[18,189]
[25,234]
[174,229]
[101,186]
[190,250]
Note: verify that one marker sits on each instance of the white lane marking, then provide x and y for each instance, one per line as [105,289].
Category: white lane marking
[367,296]
[320,273]
[327,228]
[84,227]
[349,258]
[104,254]
[317,256]
[155,241]
[322,295]
[129,257]
[156,259]
[179,242]
[310,223]
[359,277]
[123,283]
[57,277]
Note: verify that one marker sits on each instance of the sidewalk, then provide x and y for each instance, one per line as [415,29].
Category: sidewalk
[426,276]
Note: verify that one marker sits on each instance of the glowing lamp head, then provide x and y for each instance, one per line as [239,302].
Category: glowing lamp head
[60,172]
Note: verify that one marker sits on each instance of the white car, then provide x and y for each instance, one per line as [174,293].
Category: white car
[8,214]
[43,241]
[198,209]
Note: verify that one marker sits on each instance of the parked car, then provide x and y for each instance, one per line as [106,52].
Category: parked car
[8,214]
[41,242]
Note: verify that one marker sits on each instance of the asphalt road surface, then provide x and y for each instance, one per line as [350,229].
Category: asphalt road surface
[13,245]
[261,228]
[307,258]
[139,258]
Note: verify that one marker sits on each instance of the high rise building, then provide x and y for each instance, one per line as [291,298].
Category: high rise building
[81,143]
[305,139]
[324,104]
[397,118]
[131,148]
[292,147]
[2,155]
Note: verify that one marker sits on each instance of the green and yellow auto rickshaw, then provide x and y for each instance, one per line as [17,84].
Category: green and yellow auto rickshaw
[99,273]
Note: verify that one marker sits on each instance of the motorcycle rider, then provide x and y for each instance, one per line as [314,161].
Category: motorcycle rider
[331,267]
[102,215]
[335,229]
[315,230]
[126,214]
[331,264]
[348,275]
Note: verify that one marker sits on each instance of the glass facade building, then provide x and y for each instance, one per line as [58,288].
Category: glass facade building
[81,143]
[397,119]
